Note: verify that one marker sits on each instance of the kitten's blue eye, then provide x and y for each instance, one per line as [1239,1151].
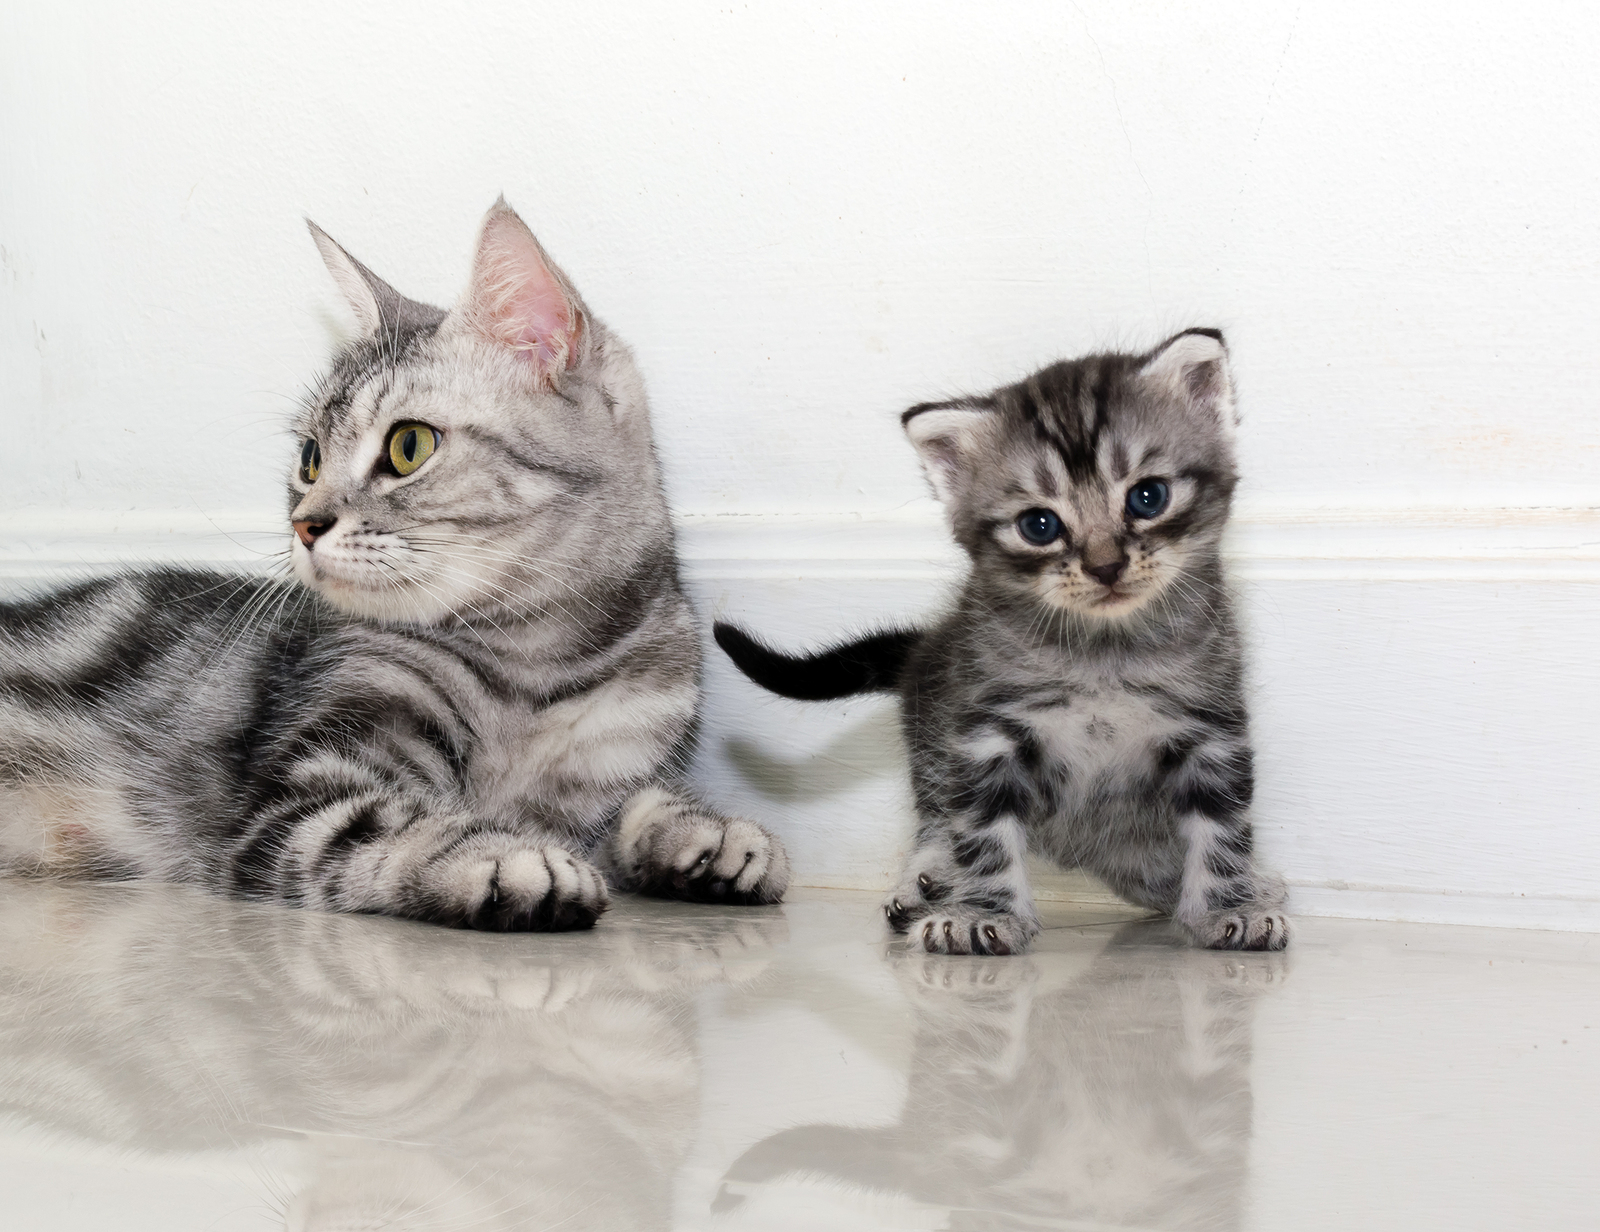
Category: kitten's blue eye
[1147,498]
[1039,527]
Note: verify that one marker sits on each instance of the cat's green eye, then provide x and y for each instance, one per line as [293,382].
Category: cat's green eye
[410,445]
[310,460]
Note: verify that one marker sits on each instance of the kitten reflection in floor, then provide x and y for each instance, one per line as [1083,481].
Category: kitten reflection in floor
[374,1072]
[1116,1095]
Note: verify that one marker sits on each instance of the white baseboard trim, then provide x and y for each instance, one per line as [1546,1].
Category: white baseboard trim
[1410,906]
[1551,913]
[1379,543]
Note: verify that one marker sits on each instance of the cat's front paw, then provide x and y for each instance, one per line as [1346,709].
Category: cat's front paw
[973,932]
[916,897]
[502,883]
[673,849]
[1243,928]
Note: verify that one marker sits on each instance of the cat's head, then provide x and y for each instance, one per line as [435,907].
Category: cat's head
[1091,485]
[493,458]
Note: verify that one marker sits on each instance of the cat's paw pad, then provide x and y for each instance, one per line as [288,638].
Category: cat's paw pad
[971,932]
[505,885]
[703,858]
[1243,929]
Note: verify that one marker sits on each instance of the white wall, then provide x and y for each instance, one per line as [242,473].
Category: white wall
[808,216]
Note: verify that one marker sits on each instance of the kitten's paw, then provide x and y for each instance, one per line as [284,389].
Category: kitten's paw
[973,932]
[674,850]
[902,913]
[1244,928]
[500,883]
[912,901]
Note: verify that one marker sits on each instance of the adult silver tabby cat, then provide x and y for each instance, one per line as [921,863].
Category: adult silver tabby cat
[1085,697]
[475,706]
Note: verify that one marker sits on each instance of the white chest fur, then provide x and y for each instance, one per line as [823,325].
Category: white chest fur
[601,740]
[1104,730]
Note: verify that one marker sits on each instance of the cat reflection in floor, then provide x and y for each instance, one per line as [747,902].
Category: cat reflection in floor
[375,1073]
[1050,1092]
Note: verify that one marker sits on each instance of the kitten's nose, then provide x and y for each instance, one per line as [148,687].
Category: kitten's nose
[310,531]
[1106,575]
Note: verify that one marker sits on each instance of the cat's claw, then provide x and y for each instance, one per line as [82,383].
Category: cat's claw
[963,932]
[901,915]
[674,850]
[913,901]
[720,860]
[499,883]
[1242,929]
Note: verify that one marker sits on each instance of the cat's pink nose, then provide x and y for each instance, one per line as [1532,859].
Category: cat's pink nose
[1106,575]
[310,531]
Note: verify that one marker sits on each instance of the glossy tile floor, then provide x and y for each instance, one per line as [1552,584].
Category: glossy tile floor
[172,1062]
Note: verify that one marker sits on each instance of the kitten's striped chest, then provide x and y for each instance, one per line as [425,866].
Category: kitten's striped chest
[1099,734]
[1101,728]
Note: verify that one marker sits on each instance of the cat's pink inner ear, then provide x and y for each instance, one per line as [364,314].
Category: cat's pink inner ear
[946,436]
[518,300]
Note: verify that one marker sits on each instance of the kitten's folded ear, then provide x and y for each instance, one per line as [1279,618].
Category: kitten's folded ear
[519,299]
[1193,367]
[947,435]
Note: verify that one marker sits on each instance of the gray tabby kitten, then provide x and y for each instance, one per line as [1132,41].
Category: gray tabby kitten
[476,704]
[1084,699]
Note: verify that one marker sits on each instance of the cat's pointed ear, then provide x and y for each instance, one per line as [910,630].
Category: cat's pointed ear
[1193,367]
[519,299]
[947,435]
[374,302]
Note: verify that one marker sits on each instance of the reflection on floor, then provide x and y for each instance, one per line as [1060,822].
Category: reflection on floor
[177,1062]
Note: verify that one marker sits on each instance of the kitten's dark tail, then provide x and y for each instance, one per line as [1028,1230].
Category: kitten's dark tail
[869,665]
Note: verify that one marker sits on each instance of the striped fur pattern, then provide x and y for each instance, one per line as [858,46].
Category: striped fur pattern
[1084,699]
[473,703]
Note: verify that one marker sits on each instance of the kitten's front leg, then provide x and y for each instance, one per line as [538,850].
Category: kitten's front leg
[347,845]
[965,889]
[1223,901]
[669,845]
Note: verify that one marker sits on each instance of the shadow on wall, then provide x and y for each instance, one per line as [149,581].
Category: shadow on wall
[867,750]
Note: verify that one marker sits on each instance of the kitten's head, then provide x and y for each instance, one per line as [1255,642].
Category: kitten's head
[493,458]
[1091,485]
